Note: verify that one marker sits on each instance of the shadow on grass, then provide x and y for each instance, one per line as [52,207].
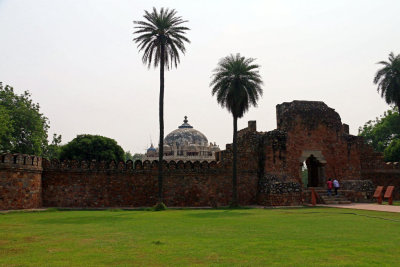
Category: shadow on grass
[227,213]
[76,219]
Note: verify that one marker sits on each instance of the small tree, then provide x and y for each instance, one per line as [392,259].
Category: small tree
[88,147]
[23,129]
[383,134]
[237,84]
[53,150]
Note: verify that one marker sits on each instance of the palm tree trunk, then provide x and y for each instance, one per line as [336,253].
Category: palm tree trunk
[234,163]
[161,118]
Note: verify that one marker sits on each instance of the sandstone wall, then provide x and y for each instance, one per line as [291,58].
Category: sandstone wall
[20,182]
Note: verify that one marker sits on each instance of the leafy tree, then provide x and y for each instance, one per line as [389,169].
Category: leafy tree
[383,134]
[54,149]
[237,84]
[137,156]
[5,130]
[161,38]
[23,129]
[128,155]
[88,147]
[392,152]
[388,80]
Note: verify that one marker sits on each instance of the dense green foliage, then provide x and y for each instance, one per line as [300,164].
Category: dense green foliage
[237,84]
[388,80]
[134,157]
[53,150]
[241,237]
[384,134]
[23,129]
[392,152]
[5,129]
[161,37]
[88,147]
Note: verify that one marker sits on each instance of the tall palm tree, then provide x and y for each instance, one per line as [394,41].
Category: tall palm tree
[388,80]
[161,38]
[237,84]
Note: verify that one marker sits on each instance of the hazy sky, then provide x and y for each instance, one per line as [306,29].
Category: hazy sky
[78,60]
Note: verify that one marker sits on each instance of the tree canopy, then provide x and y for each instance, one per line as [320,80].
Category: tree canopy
[23,129]
[388,80]
[237,83]
[384,134]
[161,37]
[92,147]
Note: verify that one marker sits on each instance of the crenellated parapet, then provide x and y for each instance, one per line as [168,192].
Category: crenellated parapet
[20,161]
[128,166]
[20,181]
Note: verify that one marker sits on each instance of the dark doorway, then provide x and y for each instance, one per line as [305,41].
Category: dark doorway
[313,171]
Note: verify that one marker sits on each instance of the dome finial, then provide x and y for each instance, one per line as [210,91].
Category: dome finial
[185,124]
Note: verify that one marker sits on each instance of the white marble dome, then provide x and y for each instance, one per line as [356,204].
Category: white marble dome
[185,135]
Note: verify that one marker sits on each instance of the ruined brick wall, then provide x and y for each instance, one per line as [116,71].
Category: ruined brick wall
[20,182]
[268,170]
[383,173]
[74,184]
[274,188]
[306,127]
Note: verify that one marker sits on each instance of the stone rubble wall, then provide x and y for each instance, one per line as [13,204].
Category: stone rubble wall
[279,191]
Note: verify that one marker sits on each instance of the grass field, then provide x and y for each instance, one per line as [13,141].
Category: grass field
[241,237]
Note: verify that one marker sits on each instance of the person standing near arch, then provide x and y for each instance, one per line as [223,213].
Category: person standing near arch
[330,185]
[336,185]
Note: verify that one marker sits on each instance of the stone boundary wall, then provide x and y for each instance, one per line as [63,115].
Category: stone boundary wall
[275,190]
[100,184]
[385,177]
[374,168]
[20,181]
[357,190]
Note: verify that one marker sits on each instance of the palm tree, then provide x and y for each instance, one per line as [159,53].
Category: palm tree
[388,80]
[237,84]
[161,38]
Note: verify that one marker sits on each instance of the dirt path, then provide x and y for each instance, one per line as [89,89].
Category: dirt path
[365,206]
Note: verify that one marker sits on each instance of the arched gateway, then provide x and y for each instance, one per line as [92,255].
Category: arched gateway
[316,163]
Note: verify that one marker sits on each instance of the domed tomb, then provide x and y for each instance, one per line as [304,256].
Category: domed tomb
[185,143]
[185,135]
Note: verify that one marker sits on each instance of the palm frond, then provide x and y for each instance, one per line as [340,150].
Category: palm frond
[236,82]
[388,80]
[161,28]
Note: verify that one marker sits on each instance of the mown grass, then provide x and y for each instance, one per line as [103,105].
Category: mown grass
[241,237]
[395,203]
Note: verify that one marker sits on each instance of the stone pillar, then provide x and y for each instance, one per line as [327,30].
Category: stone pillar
[252,125]
[321,175]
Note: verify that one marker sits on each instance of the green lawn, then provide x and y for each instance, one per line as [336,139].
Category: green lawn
[242,237]
[395,203]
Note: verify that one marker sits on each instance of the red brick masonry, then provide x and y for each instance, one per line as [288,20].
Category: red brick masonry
[269,170]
